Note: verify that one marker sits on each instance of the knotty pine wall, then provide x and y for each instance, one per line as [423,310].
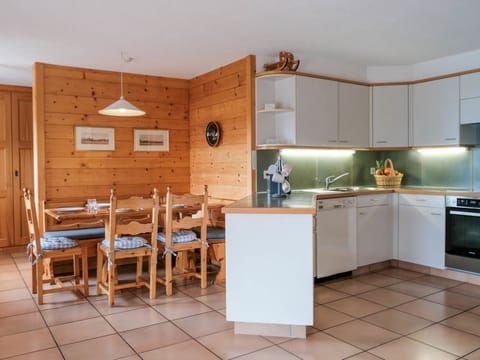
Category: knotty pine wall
[65,97]
[225,95]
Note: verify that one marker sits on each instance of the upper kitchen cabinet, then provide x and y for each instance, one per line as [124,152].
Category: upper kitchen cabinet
[436,114]
[470,98]
[390,116]
[353,115]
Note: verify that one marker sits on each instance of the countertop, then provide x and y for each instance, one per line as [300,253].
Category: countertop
[303,201]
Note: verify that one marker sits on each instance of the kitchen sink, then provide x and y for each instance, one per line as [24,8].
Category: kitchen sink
[340,189]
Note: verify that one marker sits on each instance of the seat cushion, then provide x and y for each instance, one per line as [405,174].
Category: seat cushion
[213,232]
[57,243]
[127,242]
[78,234]
[179,236]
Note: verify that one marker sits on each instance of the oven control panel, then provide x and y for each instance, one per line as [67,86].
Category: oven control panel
[455,201]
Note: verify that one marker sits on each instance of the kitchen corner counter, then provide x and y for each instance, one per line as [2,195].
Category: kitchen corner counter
[261,203]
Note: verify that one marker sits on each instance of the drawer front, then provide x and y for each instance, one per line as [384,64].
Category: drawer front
[421,200]
[373,200]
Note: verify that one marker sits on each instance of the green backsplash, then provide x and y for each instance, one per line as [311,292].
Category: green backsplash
[456,171]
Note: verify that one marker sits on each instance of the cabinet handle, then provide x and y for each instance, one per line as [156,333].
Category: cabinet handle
[381,142]
[373,200]
[343,141]
[436,214]
[362,213]
[450,139]
[420,200]
[332,141]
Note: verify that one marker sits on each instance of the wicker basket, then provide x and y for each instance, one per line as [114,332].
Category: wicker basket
[389,180]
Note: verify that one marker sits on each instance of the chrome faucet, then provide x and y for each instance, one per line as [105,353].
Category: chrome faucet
[329,180]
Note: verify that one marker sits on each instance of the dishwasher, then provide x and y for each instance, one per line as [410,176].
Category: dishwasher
[336,227]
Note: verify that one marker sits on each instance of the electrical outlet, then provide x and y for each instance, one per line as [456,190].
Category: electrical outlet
[372,171]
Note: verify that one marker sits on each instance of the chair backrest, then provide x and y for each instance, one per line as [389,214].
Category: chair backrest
[120,225]
[32,221]
[184,212]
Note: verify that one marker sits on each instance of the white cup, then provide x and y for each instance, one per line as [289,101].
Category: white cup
[278,178]
[92,206]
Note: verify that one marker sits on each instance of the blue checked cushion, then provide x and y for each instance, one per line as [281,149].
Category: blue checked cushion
[179,236]
[126,242]
[56,243]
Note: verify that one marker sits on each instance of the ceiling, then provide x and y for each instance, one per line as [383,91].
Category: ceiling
[184,38]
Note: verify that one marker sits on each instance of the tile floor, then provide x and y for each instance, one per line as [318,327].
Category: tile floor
[388,314]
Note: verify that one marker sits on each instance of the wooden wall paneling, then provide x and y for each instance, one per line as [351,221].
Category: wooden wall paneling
[6,191]
[22,136]
[222,95]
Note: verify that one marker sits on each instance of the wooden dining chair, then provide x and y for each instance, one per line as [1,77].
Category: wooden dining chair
[131,221]
[183,213]
[45,250]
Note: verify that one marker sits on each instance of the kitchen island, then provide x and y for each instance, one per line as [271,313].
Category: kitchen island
[269,252]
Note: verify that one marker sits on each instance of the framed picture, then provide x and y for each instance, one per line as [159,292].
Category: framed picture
[94,138]
[150,140]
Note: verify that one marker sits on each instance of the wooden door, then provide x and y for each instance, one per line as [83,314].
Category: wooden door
[22,161]
[6,194]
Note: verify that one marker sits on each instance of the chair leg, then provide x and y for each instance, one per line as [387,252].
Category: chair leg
[99,268]
[139,269]
[111,283]
[76,268]
[168,275]
[40,281]
[34,278]
[85,271]
[203,266]
[153,275]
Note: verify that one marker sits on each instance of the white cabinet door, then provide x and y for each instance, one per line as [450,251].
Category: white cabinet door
[436,112]
[422,235]
[316,111]
[390,116]
[353,115]
[470,98]
[374,230]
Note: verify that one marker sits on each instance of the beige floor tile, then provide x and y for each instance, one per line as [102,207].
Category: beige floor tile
[17,307]
[455,300]
[128,320]
[324,317]
[413,289]
[378,279]
[428,310]
[105,348]
[356,307]
[131,357]
[64,298]
[227,345]
[363,356]
[187,350]
[154,336]
[11,275]
[324,295]
[320,346]
[279,339]
[196,291]
[161,297]
[124,301]
[386,297]
[81,330]
[270,353]
[405,348]
[25,342]
[467,289]
[350,286]
[397,321]
[11,284]
[215,301]
[14,295]
[437,281]
[204,324]
[9,267]
[475,310]
[473,356]
[21,323]
[466,321]
[400,273]
[49,354]
[70,313]
[182,308]
[361,334]
[448,339]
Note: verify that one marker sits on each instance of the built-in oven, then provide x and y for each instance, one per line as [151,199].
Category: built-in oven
[462,235]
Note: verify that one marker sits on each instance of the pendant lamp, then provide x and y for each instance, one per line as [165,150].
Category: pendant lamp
[122,107]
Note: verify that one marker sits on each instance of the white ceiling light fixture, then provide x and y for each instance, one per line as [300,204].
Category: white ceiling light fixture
[122,107]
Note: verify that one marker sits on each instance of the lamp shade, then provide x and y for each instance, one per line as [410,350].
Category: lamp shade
[121,107]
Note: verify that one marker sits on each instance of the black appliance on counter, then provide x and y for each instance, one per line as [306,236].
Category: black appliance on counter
[462,233]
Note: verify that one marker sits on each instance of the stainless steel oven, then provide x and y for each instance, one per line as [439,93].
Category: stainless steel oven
[462,235]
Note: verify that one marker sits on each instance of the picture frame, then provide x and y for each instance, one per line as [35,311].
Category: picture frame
[94,138]
[150,140]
